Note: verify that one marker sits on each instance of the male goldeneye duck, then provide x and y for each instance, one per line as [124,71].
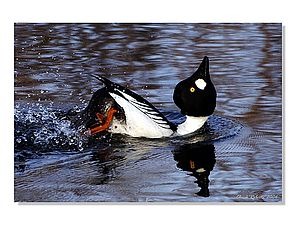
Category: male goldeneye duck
[117,109]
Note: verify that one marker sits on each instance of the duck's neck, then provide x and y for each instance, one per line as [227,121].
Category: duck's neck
[191,124]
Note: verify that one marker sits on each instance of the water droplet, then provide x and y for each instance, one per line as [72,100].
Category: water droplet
[80,148]
[71,142]
[52,116]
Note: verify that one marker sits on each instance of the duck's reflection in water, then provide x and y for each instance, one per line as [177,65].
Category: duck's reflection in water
[199,159]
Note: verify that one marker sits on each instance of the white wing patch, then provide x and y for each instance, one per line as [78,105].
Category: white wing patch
[146,109]
[141,119]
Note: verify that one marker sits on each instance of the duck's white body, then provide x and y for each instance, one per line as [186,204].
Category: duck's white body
[191,124]
[142,121]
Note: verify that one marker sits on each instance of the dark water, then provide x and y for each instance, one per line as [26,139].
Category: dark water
[237,156]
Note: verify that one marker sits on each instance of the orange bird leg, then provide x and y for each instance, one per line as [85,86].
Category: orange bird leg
[107,123]
[100,117]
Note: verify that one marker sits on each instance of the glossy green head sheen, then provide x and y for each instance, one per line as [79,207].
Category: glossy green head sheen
[196,95]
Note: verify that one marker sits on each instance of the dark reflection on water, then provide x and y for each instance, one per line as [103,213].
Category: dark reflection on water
[199,159]
[53,63]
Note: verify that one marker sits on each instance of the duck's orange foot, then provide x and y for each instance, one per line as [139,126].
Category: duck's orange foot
[100,117]
[106,124]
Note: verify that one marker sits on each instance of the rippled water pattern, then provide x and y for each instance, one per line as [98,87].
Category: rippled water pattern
[236,157]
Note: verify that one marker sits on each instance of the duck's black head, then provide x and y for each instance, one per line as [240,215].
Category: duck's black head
[196,95]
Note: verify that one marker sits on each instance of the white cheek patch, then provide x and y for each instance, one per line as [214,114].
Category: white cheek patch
[201,84]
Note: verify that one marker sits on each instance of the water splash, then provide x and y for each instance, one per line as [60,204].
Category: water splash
[42,128]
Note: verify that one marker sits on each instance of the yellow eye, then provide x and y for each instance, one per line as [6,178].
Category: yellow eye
[192,89]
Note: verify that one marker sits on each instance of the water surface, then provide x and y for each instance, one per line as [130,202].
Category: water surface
[236,157]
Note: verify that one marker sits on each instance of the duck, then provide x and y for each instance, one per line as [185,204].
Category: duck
[116,109]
